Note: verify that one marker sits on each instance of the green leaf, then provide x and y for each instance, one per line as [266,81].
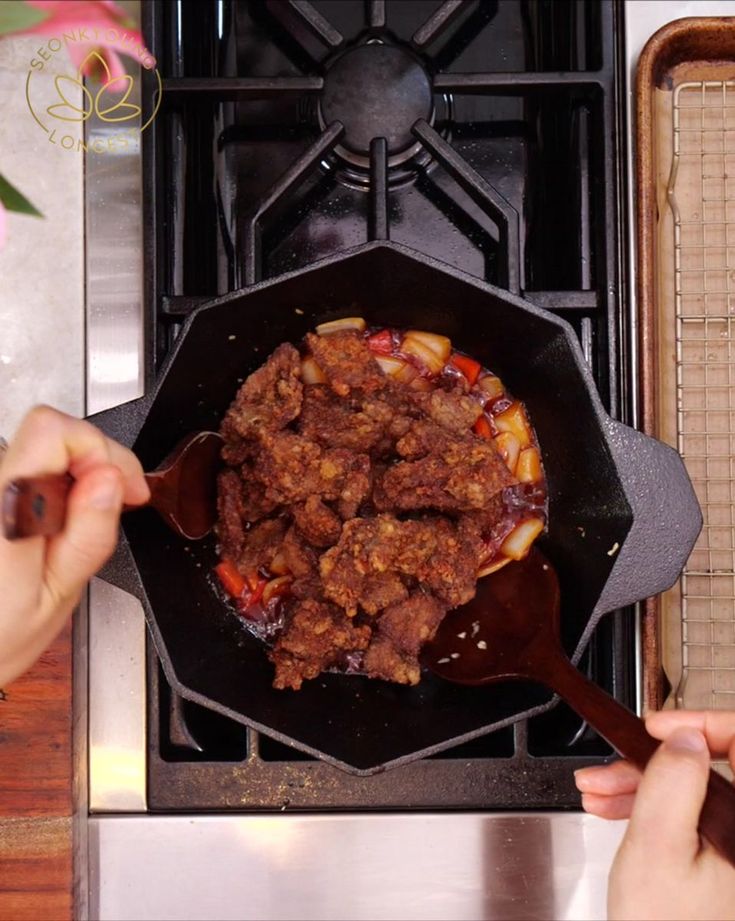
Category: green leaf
[16,15]
[15,200]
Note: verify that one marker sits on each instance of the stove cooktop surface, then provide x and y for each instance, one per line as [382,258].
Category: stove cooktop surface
[483,134]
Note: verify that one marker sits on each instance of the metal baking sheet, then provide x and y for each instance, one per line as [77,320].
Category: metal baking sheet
[686,236]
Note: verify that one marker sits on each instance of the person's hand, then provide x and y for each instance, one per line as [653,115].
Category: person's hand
[41,580]
[663,870]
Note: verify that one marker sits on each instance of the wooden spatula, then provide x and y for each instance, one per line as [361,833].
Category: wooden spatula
[510,631]
[183,491]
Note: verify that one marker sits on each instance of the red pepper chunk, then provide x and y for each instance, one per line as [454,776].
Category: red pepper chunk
[468,366]
[482,427]
[231,580]
[252,578]
[381,343]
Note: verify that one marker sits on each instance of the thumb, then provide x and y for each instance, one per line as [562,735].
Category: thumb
[89,536]
[670,796]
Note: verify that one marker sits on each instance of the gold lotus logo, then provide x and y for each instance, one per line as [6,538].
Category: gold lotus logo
[107,102]
[56,99]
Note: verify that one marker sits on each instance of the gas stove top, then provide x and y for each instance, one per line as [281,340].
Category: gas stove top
[153,854]
[483,134]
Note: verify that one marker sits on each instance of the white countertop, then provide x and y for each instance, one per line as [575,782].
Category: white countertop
[42,263]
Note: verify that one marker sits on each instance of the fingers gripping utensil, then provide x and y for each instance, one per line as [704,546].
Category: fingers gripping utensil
[510,630]
[183,491]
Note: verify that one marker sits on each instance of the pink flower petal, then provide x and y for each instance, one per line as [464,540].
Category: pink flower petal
[78,53]
[3,225]
[68,16]
[93,16]
[79,10]
[115,9]
[117,68]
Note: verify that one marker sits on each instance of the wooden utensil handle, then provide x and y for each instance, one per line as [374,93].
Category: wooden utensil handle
[627,734]
[35,506]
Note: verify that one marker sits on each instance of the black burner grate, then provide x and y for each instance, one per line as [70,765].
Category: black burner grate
[483,134]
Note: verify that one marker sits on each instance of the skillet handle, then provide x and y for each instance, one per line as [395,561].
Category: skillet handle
[666,513]
[628,735]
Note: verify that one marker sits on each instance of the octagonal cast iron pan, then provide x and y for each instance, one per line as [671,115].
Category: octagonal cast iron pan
[622,513]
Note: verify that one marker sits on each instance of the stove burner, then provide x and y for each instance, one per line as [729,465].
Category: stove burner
[354,94]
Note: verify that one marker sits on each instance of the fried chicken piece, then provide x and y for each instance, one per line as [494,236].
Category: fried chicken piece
[383,660]
[268,400]
[236,451]
[256,504]
[299,557]
[317,522]
[316,635]
[344,568]
[334,423]
[261,544]
[460,474]
[356,487]
[381,589]
[441,558]
[402,630]
[421,438]
[431,551]
[378,499]
[362,422]
[478,525]
[230,515]
[347,362]
[411,623]
[450,409]
[294,468]
[308,588]
[288,466]
[398,427]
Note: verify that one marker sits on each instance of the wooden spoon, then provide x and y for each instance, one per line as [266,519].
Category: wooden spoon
[510,631]
[183,491]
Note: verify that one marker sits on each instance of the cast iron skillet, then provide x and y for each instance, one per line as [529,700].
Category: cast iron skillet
[623,515]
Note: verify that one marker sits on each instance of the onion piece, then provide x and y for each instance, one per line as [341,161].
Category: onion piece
[340,326]
[311,373]
[494,565]
[278,565]
[396,368]
[509,448]
[441,346]
[420,383]
[528,468]
[517,544]
[513,419]
[428,358]
[276,587]
[389,365]
[492,386]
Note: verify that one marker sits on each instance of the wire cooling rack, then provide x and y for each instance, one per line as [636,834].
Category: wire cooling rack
[701,194]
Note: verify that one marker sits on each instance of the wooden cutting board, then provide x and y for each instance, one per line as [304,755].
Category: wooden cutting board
[36,795]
